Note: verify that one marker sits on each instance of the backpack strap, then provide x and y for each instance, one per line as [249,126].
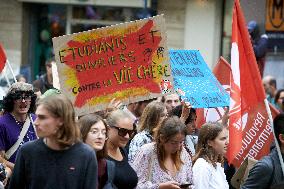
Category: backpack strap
[110,171]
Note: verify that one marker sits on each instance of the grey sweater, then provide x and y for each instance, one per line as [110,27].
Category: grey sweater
[39,167]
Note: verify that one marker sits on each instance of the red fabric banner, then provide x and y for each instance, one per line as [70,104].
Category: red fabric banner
[249,127]
[3,58]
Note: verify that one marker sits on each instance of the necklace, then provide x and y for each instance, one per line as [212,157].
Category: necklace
[20,123]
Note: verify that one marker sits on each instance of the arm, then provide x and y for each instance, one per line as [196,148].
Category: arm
[3,143]
[136,143]
[91,173]
[18,175]
[260,47]
[141,164]
[225,118]
[133,149]
[259,175]
[9,164]
[185,111]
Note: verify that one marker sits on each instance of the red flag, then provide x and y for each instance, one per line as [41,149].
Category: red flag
[3,58]
[222,72]
[249,126]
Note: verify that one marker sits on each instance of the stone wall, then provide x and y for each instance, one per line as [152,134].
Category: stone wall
[11,31]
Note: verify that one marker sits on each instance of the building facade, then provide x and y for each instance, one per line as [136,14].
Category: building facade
[27,26]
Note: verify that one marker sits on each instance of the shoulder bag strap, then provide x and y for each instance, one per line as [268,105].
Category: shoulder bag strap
[32,122]
[24,130]
[110,170]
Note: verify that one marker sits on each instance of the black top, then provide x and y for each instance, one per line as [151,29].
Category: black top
[39,167]
[125,176]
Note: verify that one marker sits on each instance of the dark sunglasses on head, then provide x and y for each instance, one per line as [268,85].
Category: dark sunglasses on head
[123,132]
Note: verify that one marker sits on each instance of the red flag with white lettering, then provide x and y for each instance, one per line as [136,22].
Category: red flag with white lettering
[249,127]
[3,58]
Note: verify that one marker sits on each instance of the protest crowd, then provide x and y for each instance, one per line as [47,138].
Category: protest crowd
[160,142]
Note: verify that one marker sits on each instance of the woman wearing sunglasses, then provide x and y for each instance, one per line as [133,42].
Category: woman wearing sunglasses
[165,164]
[94,133]
[120,131]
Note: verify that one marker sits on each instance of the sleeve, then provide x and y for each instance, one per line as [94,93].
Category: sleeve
[136,143]
[2,138]
[18,175]
[91,174]
[260,47]
[141,164]
[201,174]
[259,175]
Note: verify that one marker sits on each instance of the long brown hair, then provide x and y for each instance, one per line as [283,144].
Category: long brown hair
[61,107]
[85,123]
[208,132]
[151,115]
[168,128]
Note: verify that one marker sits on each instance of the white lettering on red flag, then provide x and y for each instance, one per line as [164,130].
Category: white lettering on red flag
[249,128]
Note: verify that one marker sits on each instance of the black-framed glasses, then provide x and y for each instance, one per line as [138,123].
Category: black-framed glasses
[20,98]
[123,132]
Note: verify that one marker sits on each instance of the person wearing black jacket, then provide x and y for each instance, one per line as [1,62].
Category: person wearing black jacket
[267,172]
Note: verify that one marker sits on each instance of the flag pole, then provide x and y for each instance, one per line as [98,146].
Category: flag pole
[11,70]
[6,77]
[275,139]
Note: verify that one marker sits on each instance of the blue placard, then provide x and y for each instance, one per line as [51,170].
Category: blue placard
[194,81]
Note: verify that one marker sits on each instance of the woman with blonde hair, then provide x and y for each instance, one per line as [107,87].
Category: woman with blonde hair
[165,164]
[152,115]
[121,129]
[58,159]
[208,170]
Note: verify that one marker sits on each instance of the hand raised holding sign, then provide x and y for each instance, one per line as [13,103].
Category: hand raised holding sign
[185,111]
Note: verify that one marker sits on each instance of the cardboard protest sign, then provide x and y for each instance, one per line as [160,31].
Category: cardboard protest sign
[194,81]
[242,173]
[127,61]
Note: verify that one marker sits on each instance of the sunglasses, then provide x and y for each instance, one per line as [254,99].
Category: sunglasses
[20,98]
[123,132]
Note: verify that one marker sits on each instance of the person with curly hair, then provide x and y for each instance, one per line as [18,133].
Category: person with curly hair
[16,124]
[208,170]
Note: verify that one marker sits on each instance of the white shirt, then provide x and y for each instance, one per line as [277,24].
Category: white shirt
[205,176]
